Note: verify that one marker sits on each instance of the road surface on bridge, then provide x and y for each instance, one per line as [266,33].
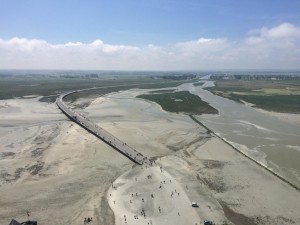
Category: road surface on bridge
[100,133]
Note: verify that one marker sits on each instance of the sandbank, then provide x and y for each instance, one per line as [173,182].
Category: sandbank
[62,174]
[287,117]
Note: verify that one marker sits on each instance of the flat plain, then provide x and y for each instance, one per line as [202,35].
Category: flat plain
[61,174]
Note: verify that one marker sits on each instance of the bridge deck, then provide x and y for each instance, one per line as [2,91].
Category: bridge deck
[102,134]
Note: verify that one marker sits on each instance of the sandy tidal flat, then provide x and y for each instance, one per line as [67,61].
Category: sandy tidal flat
[52,168]
[62,174]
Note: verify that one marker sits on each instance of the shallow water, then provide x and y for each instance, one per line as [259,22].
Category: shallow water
[268,139]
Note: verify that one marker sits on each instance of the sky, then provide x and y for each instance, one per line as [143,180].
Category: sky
[150,34]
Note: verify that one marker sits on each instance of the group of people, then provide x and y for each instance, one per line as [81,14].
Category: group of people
[88,220]
[140,196]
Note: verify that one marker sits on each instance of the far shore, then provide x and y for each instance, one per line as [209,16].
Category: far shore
[287,117]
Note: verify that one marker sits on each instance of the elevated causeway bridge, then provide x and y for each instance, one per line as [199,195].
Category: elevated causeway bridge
[100,133]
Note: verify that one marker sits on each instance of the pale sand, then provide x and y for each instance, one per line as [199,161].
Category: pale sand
[172,193]
[130,199]
[61,173]
[52,167]
[241,186]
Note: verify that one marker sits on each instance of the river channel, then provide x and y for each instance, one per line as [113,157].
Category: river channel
[271,141]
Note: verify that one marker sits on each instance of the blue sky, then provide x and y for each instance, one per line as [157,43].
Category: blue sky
[138,23]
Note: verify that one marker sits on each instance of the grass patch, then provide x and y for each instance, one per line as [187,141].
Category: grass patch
[181,102]
[277,103]
[50,88]
[277,96]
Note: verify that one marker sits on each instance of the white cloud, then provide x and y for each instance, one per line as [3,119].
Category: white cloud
[266,48]
[22,44]
[71,44]
[284,30]
[97,43]
[277,47]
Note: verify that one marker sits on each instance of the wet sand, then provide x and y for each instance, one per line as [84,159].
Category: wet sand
[62,174]
[287,117]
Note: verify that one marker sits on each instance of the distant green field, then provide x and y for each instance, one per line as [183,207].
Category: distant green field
[18,87]
[182,101]
[277,96]
[276,103]
[119,87]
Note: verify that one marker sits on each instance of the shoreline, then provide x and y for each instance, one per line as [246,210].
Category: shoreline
[287,117]
[249,157]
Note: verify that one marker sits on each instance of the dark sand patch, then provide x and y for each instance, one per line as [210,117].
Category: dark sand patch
[235,217]
[7,155]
